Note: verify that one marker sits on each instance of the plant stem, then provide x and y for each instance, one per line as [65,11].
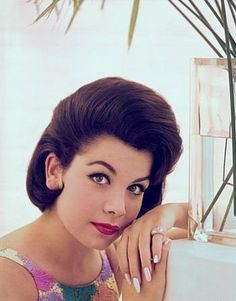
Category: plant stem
[232,12]
[224,160]
[217,196]
[103,4]
[231,92]
[233,4]
[226,212]
[219,18]
[202,18]
[195,27]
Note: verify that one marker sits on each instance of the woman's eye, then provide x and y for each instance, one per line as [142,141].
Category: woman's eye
[99,178]
[136,189]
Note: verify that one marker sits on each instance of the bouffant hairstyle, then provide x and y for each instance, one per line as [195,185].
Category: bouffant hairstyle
[124,109]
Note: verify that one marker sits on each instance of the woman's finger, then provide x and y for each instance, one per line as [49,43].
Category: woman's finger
[122,255]
[160,269]
[145,255]
[134,262]
[157,241]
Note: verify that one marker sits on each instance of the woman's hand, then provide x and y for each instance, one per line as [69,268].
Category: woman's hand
[140,252]
[151,290]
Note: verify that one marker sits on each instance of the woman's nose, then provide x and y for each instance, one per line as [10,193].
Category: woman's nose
[115,204]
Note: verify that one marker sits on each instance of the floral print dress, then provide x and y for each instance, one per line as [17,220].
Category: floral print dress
[104,288]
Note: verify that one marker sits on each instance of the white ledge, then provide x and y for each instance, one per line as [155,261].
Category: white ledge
[200,271]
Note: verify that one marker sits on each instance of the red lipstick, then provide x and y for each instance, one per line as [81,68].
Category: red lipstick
[106,229]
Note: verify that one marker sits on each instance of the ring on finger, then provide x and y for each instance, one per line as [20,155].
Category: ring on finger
[157,230]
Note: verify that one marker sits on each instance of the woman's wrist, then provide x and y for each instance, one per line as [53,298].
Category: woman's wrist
[171,215]
[172,219]
[181,215]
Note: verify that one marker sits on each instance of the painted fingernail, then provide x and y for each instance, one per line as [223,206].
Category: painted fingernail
[155,259]
[147,274]
[127,277]
[136,284]
[167,241]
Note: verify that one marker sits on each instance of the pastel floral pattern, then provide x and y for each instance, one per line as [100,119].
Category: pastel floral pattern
[104,288]
[104,293]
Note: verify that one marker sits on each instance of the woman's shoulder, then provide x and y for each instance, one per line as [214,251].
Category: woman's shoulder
[16,281]
[14,238]
[16,284]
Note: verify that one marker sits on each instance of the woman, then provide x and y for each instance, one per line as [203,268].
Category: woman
[101,162]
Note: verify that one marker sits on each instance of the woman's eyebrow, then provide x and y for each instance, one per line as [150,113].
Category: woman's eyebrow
[105,164]
[109,167]
[142,179]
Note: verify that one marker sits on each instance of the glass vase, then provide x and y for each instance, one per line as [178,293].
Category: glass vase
[211,214]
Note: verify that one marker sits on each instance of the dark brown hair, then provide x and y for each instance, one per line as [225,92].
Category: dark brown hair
[124,109]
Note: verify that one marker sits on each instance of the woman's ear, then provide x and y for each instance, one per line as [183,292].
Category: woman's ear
[53,172]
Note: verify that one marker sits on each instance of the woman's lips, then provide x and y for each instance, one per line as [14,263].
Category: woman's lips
[106,229]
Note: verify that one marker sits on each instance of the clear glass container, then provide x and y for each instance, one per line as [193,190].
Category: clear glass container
[210,194]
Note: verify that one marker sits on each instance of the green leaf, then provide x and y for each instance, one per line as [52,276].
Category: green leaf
[47,10]
[76,7]
[59,10]
[103,4]
[133,20]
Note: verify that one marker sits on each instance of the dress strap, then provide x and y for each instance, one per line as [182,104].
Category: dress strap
[46,284]
[103,288]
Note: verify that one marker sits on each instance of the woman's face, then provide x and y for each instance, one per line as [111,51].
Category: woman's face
[103,190]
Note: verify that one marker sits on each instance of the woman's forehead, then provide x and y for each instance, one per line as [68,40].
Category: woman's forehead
[116,153]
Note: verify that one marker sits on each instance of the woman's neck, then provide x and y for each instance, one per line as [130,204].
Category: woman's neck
[63,254]
[56,239]
[47,242]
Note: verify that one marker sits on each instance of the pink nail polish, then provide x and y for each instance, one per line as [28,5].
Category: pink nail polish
[127,277]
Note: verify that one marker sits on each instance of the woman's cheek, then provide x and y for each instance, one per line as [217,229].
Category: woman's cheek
[133,211]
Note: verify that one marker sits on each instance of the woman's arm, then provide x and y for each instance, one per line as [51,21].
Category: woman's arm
[179,212]
[138,248]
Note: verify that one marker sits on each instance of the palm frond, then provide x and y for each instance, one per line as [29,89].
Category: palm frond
[196,29]
[133,20]
[103,4]
[48,10]
[232,103]
[76,7]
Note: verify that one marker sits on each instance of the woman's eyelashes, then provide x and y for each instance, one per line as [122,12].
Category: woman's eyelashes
[136,189]
[100,178]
